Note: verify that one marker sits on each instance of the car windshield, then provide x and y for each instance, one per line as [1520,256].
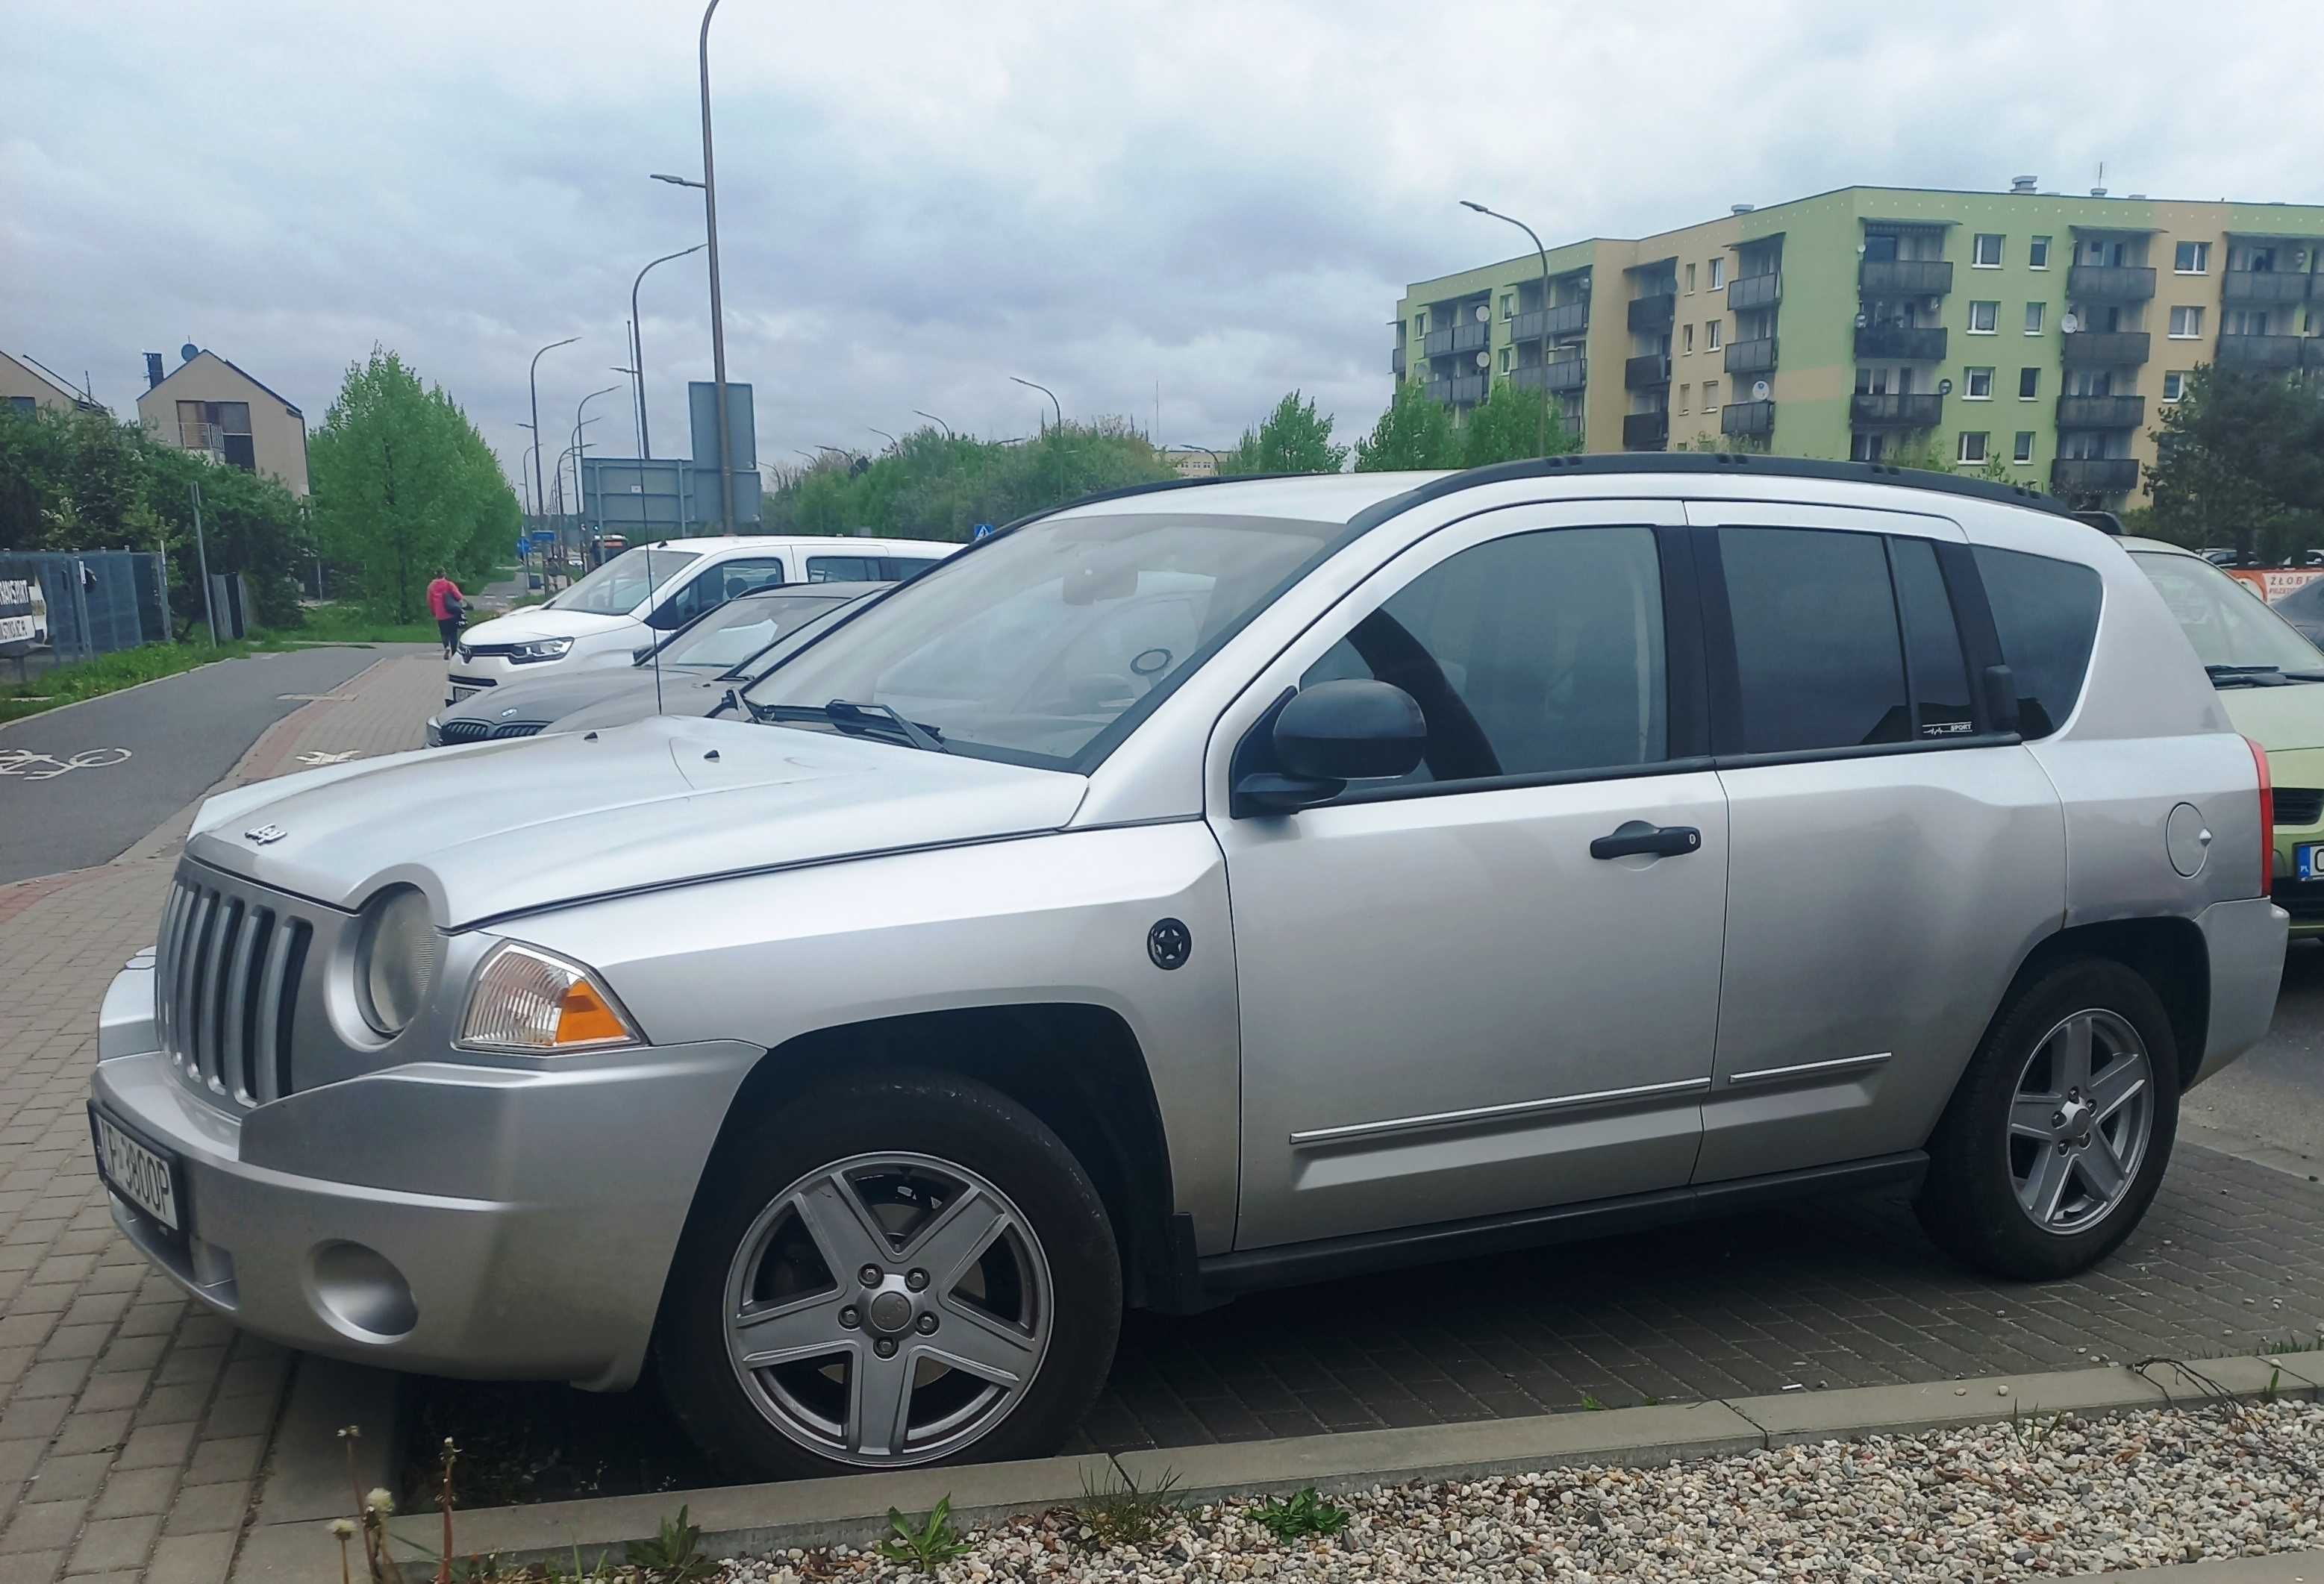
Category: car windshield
[2228,623]
[1041,642]
[736,631]
[621,584]
[2304,604]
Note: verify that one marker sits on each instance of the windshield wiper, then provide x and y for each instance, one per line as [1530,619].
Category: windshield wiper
[854,719]
[2248,675]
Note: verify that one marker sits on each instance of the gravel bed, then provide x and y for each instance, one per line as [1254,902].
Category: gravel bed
[2043,1496]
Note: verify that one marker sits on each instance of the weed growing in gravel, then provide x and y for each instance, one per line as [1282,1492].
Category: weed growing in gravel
[924,1546]
[1298,1515]
[1117,1511]
[2314,1344]
[2029,1431]
[1590,1404]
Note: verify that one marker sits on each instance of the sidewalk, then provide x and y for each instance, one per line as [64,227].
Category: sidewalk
[133,1424]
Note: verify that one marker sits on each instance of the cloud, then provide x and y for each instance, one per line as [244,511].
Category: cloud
[920,199]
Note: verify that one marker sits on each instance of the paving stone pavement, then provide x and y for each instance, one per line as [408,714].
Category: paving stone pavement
[132,1424]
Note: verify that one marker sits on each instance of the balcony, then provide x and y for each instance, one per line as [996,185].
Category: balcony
[2259,352]
[1650,316]
[1467,388]
[1754,420]
[1896,412]
[2266,286]
[1645,431]
[1395,362]
[1566,373]
[1899,344]
[1751,357]
[2101,412]
[1750,291]
[2106,347]
[2093,476]
[1471,335]
[1904,277]
[1439,343]
[2110,282]
[1644,373]
[1567,319]
[1439,391]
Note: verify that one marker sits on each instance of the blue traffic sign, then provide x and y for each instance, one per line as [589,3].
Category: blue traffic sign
[543,536]
[984,530]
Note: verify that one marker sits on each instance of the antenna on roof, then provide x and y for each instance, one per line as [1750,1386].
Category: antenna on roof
[659,639]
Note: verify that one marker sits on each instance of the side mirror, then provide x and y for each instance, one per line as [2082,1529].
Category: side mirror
[1325,736]
[2000,699]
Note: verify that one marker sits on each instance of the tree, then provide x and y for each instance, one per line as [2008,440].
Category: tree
[1509,426]
[1415,432]
[404,484]
[1294,438]
[2240,460]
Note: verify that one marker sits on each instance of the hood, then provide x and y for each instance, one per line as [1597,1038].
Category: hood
[681,695]
[545,698]
[540,622]
[2278,719]
[506,827]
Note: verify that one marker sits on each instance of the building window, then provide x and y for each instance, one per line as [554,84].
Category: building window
[1710,395]
[1718,273]
[1972,447]
[2174,385]
[1685,338]
[2034,319]
[1689,280]
[2191,258]
[1420,323]
[1712,331]
[1509,305]
[1980,385]
[1505,360]
[2244,321]
[2186,323]
[2029,385]
[1863,447]
[2037,253]
[2023,451]
[1983,317]
[1684,392]
[1984,251]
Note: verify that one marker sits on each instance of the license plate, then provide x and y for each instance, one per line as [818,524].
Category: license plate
[2304,857]
[460,693]
[145,1177]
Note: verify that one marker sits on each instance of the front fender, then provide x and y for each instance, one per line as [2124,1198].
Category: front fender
[1058,917]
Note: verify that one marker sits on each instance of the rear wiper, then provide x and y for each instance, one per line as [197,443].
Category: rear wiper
[854,719]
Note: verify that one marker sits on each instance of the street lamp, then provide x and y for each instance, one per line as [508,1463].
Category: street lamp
[636,411]
[579,496]
[933,418]
[709,186]
[532,379]
[1060,405]
[1541,426]
[885,436]
[1217,467]
[638,336]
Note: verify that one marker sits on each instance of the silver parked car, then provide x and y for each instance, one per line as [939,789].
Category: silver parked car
[1208,887]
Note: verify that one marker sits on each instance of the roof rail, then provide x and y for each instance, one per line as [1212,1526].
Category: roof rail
[2104,521]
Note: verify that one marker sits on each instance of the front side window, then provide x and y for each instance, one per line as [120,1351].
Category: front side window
[2045,612]
[1041,647]
[1985,252]
[1536,654]
[1819,658]
[621,584]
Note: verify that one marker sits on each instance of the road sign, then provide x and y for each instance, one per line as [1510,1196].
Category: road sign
[543,538]
[522,545]
[984,530]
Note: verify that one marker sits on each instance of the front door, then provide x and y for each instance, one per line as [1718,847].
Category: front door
[1451,1007]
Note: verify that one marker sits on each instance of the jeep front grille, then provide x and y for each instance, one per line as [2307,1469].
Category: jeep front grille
[226,982]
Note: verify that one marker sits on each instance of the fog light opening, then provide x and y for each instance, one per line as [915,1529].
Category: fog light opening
[360,1292]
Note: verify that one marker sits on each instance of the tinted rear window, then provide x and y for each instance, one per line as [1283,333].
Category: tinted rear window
[1819,660]
[2046,614]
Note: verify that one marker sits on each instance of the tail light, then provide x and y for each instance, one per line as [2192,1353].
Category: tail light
[2266,818]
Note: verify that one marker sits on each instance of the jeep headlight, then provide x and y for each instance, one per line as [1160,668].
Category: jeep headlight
[539,649]
[397,955]
[532,1001]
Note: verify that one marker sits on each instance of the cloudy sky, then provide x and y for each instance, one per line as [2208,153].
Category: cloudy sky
[917,200]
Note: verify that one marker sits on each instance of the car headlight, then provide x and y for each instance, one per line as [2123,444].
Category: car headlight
[397,955]
[530,1000]
[435,731]
[539,648]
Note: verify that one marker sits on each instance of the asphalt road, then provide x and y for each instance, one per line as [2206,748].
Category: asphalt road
[2274,1097]
[81,786]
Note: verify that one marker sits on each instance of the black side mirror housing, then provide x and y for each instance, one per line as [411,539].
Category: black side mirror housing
[2000,699]
[1325,736]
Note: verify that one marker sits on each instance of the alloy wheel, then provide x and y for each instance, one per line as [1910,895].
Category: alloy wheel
[887,1310]
[2081,1120]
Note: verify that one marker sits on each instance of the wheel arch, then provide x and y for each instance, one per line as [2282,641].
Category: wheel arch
[2169,954]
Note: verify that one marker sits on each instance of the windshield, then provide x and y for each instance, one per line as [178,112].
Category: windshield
[2304,604]
[2228,624]
[621,584]
[1030,648]
[736,631]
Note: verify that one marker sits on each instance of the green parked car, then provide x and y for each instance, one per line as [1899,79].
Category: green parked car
[2272,680]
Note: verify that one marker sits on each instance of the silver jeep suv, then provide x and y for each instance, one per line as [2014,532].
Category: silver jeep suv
[1204,888]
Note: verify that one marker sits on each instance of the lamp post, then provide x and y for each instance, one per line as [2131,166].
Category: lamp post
[709,186]
[638,342]
[884,434]
[1060,405]
[1541,425]
[580,497]
[1217,467]
[933,418]
[532,379]
[636,431]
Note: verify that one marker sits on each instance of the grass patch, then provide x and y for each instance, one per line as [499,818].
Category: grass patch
[336,623]
[69,684]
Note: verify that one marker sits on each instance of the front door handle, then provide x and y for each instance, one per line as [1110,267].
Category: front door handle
[1638,836]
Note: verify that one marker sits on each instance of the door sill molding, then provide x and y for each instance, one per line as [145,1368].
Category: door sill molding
[1813,1072]
[1513,1110]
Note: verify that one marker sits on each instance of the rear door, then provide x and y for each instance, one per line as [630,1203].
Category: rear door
[1890,859]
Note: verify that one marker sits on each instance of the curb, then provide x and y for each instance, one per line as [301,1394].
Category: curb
[852,1509]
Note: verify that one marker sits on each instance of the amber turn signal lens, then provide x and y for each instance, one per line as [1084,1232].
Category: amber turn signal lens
[584,1018]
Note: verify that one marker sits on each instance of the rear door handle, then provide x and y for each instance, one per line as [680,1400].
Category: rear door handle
[1638,836]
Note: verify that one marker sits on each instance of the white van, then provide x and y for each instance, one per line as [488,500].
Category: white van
[652,589]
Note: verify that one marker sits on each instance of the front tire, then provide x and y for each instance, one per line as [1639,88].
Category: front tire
[2058,1135]
[893,1271]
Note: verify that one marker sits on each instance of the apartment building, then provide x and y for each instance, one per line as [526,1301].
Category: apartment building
[210,405]
[2022,330]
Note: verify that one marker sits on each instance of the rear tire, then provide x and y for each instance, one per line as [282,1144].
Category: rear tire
[2061,1129]
[986,1335]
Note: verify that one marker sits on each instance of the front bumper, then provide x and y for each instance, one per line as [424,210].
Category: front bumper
[529,1215]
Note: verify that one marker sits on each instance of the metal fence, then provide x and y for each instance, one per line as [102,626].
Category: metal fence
[84,604]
